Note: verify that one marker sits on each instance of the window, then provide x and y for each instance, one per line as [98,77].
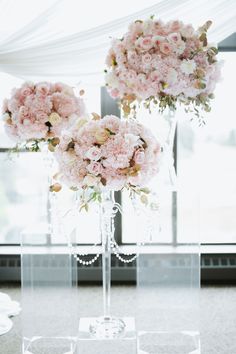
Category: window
[210,155]
[206,160]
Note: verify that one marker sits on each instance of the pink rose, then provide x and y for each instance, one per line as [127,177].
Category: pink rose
[142,78]
[158,39]
[154,76]
[165,48]
[132,56]
[111,123]
[58,86]
[146,59]
[41,116]
[43,88]
[101,135]
[174,37]
[114,93]
[26,91]
[94,153]
[139,157]
[175,25]
[131,75]
[94,168]
[187,31]
[146,43]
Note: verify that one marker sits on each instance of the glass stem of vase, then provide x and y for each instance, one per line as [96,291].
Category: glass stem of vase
[49,206]
[107,230]
[48,162]
[106,269]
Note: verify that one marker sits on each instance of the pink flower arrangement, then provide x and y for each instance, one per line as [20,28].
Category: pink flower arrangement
[39,112]
[107,154]
[162,63]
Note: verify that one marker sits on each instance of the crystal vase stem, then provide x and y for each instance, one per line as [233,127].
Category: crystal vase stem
[171,120]
[106,234]
[107,326]
[106,269]
[48,163]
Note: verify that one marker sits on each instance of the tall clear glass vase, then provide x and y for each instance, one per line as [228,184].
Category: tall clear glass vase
[163,126]
[107,326]
[50,222]
[169,148]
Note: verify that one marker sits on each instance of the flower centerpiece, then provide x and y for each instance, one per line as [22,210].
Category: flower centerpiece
[105,154]
[97,157]
[162,64]
[39,112]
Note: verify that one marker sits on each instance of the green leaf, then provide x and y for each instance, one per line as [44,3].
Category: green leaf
[74,189]
[145,190]
[144,199]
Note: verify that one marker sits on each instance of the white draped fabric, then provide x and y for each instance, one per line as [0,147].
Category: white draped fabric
[69,39]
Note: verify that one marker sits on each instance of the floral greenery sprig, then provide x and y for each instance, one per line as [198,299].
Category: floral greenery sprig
[163,64]
[93,196]
[107,154]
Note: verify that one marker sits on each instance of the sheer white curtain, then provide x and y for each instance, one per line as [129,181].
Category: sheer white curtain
[69,39]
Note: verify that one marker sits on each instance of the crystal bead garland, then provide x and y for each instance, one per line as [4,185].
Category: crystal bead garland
[114,246]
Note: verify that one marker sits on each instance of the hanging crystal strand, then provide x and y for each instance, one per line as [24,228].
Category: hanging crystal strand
[107,326]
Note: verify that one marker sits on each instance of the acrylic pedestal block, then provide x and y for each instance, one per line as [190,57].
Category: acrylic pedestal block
[125,344]
[168,343]
[45,345]
[168,301]
[49,295]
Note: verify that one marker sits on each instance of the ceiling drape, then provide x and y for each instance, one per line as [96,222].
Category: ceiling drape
[59,41]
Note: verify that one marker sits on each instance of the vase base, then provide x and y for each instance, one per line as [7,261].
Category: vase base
[107,327]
